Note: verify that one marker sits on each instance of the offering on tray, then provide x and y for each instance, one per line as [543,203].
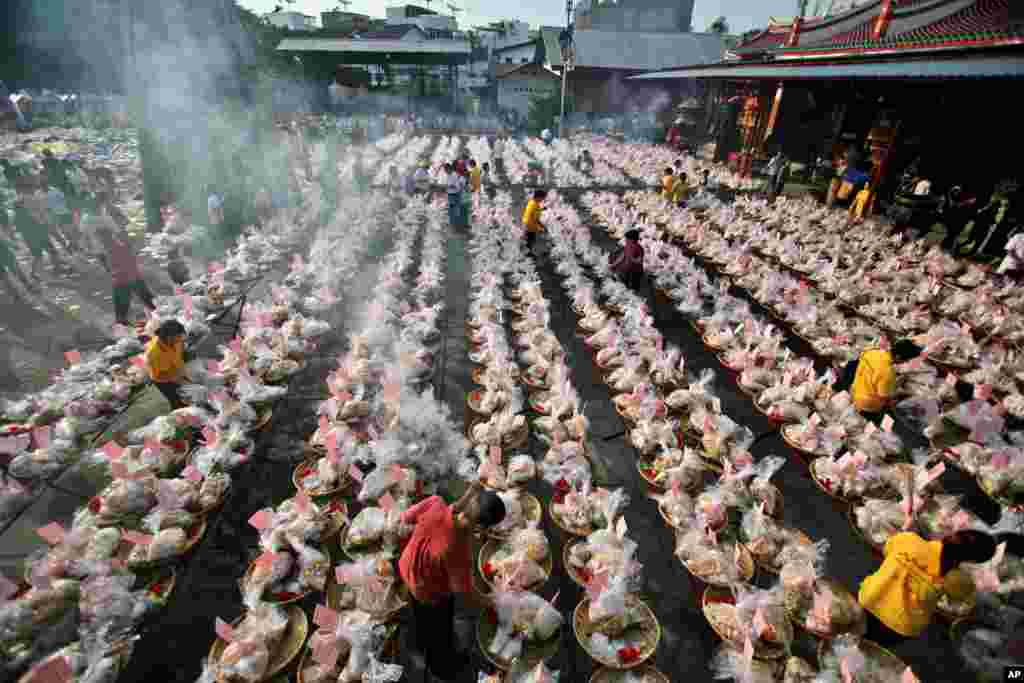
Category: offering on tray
[250,644]
[522,626]
[851,658]
[519,563]
[346,648]
[754,615]
[582,512]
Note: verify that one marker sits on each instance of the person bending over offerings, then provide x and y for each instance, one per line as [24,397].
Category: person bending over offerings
[437,564]
[165,361]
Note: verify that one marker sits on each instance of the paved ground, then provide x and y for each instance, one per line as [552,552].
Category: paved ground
[179,636]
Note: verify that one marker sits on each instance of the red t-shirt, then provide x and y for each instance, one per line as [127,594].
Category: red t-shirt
[436,562]
[124,267]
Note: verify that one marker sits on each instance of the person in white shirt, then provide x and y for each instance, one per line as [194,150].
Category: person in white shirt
[546,136]
[455,185]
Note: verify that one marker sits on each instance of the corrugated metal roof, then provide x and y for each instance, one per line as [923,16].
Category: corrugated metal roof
[642,51]
[452,47]
[978,67]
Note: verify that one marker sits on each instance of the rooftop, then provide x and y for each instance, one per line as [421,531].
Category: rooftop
[634,51]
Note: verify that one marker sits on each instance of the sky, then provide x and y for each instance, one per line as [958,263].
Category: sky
[741,14]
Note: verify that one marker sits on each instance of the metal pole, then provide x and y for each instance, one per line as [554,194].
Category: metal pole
[565,80]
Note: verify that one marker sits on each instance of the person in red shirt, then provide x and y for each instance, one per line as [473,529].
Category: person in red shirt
[124,269]
[629,264]
[437,564]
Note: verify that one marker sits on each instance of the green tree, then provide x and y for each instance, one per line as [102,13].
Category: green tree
[719,26]
[544,111]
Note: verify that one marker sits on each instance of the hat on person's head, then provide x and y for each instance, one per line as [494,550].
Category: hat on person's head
[959,586]
[633,235]
[491,509]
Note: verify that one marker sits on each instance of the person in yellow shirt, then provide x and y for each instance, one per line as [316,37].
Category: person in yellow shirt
[900,598]
[871,379]
[165,361]
[681,190]
[531,217]
[668,184]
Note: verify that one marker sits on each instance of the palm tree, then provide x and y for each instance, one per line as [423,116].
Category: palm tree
[719,26]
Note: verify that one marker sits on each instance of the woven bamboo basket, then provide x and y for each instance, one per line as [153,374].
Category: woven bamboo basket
[717,595]
[893,667]
[492,545]
[647,646]
[533,511]
[646,673]
[797,608]
[748,567]
[533,651]
[284,652]
[298,474]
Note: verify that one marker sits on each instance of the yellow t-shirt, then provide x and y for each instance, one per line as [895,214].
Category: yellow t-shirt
[531,216]
[667,184]
[164,361]
[874,382]
[680,191]
[905,589]
[474,179]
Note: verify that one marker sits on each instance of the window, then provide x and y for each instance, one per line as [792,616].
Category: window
[524,60]
[508,60]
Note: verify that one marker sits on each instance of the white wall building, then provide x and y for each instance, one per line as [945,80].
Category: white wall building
[426,20]
[293,21]
[522,53]
[504,33]
[518,84]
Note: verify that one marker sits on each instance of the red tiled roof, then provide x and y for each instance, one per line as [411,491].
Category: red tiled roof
[984,16]
[854,36]
[984,21]
[764,40]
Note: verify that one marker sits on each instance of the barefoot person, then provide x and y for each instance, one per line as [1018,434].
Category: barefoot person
[165,361]
[437,563]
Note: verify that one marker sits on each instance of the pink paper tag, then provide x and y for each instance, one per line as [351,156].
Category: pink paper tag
[178,291]
[112,450]
[53,533]
[7,588]
[186,306]
[870,428]
[325,617]
[136,538]
[355,473]
[343,574]
[73,357]
[120,330]
[983,392]
[386,502]
[267,559]
[192,474]
[261,520]
[325,652]
[495,454]
[41,436]
[302,501]
[213,366]
[224,630]
[887,423]
[210,436]
[119,470]
[55,670]
[139,361]
[397,474]
[331,443]
[235,345]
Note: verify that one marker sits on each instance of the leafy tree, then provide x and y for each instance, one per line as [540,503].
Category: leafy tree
[544,111]
[719,26]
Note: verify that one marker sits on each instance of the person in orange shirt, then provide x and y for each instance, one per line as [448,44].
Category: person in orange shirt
[900,598]
[871,379]
[165,361]
[668,183]
[531,217]
[437,564]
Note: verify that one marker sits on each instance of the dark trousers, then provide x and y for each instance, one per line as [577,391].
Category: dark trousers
[880,633]
[435,633]
[123,298]
[170,390]
[531,239]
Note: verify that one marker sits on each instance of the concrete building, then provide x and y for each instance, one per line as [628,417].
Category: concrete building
[292,21]
[502,34]
[521,53]
[604,60]
[517,84]
[345,21]
[635,16]
[426,19]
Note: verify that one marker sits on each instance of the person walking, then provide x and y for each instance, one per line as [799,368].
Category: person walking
[900,598]
[531,217]
[126,275]
[165,361]
[668,184]
[475,180]
[454,186]
[437,564]
[496,151]
[955,213]
[628,264]
[33,225]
